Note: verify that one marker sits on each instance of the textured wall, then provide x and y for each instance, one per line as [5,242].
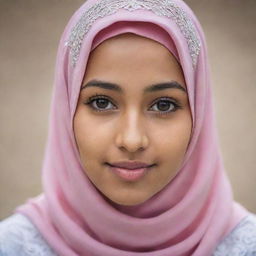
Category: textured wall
[30,31]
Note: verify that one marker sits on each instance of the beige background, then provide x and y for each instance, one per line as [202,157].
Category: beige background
[30,31]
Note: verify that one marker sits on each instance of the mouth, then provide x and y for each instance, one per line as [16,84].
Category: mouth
[130,171]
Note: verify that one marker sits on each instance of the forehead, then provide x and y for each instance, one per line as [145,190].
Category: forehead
[129,52]
[130,42]
[132,61]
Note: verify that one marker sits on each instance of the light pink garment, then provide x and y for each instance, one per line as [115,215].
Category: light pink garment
[188,217]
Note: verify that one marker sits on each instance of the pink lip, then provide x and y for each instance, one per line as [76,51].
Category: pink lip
[131,165]
[128,174]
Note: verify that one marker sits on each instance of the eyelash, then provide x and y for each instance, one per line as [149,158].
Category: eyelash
[95,97]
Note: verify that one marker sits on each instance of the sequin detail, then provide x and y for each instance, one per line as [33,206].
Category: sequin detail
[159,7]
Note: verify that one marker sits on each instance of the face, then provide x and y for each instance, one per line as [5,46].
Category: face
[133,107]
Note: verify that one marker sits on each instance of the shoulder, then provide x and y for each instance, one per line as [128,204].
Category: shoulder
[241,241]
[18,236]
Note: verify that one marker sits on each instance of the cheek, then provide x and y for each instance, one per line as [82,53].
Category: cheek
[173,139]
[91,136]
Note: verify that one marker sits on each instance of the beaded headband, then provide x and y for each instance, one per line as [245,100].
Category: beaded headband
[159,7]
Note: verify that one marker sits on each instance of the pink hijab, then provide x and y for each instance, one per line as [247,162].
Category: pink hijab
[195,211]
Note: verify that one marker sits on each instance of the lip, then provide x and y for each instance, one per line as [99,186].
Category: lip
[135,172]
[130,165]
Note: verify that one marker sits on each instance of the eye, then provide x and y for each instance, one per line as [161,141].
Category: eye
[161,106]
[100,103]
[165,106]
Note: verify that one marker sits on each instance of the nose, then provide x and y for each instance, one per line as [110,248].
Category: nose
[131,135]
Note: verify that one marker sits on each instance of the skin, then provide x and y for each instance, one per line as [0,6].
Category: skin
[132,125]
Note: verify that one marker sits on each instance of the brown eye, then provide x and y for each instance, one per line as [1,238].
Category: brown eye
[100,103]
[165,106]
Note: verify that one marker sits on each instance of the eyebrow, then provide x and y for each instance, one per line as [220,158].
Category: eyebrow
[151,88]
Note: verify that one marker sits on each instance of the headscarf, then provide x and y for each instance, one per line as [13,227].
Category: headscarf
[195,210]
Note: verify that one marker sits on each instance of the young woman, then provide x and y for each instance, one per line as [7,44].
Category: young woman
[132,164]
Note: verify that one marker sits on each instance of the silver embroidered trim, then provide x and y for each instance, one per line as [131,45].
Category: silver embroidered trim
[159,7]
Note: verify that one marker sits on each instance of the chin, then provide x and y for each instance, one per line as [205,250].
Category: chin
[128,201]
